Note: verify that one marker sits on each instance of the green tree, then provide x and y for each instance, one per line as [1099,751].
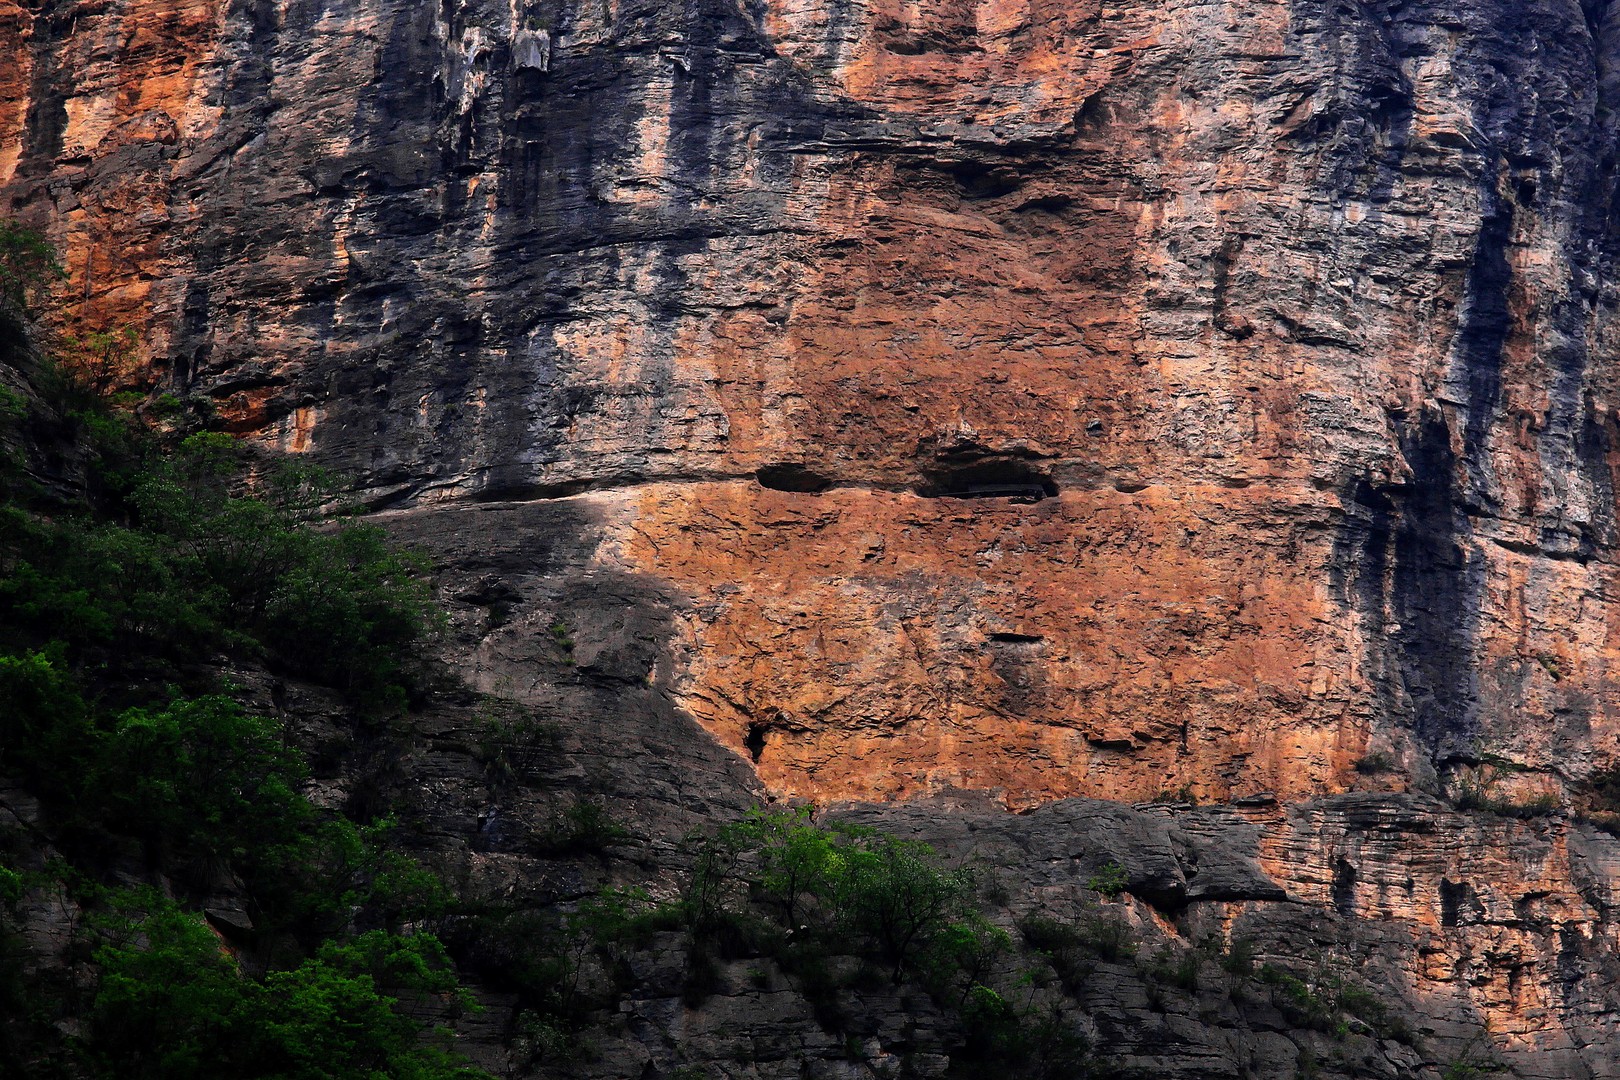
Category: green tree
[341,605]
[169,998]
[897,893]
[203,777]
[204,568]
[28,266]
[172,1004]
[45,730]
[794,859]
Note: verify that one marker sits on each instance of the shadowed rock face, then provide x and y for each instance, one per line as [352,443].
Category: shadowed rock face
[1481,938]
[1029,396]
[1036,397]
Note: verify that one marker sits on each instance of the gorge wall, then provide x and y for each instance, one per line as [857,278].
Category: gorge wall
[1036,397]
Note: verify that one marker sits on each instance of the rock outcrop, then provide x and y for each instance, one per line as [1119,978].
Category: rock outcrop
[1269,339]
[1040,398]
[1489,938]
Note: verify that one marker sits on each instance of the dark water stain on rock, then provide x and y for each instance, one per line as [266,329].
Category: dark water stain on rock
[47,117]
[1344,887]
[1362,117]
[1482,333]
[1405,561]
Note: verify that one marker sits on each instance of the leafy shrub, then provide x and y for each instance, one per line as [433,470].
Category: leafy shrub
[1536,806]
[201,777]
[967,949]
[538,1038]
[543,961]
[167,999]
[45,729]
[1301,1002]
[13,411]
[1477,787]
[109,595]
[1359,1002]
[100,359]
[204,569]
[1175,967]
[1022,1041]
[1071,946]
[171,1004]
[332,874]
[896,893]
[516,748]
[564,639]
[28,267]
[398,889]
[615,918]
[847,882]
[1473,795]
[793,858]
[584,828]
[703,976]
[349,611]
[1063,946]
[1325,999]
[1045,934]
[1108,936]
[1238,958]
[1110,880]
[340,606]
[1475,1061]
[993,1029]
[11,887]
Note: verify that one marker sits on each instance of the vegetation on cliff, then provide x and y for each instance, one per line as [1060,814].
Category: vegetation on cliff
[145,788]
[158,582]
[162,556]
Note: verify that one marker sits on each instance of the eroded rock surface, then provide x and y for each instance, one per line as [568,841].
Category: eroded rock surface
[1256,350]
[1041,398]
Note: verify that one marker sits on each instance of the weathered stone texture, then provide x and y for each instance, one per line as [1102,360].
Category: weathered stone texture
[1301,308]
[1274,339]
[1487,938]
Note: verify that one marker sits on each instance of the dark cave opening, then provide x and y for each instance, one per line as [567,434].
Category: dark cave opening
[789,476]
[994,478]
[754,741]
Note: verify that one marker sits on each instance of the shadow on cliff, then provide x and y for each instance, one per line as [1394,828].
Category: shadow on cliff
[537,623]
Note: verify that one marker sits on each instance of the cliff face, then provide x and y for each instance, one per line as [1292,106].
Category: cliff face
[1036,397]
[1488,940]
[1298,308]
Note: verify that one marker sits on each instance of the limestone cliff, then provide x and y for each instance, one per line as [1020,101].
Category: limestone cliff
[1031,396]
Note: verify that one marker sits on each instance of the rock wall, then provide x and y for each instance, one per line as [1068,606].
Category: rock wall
[1028,396]
[1490,940]
[1299,310]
